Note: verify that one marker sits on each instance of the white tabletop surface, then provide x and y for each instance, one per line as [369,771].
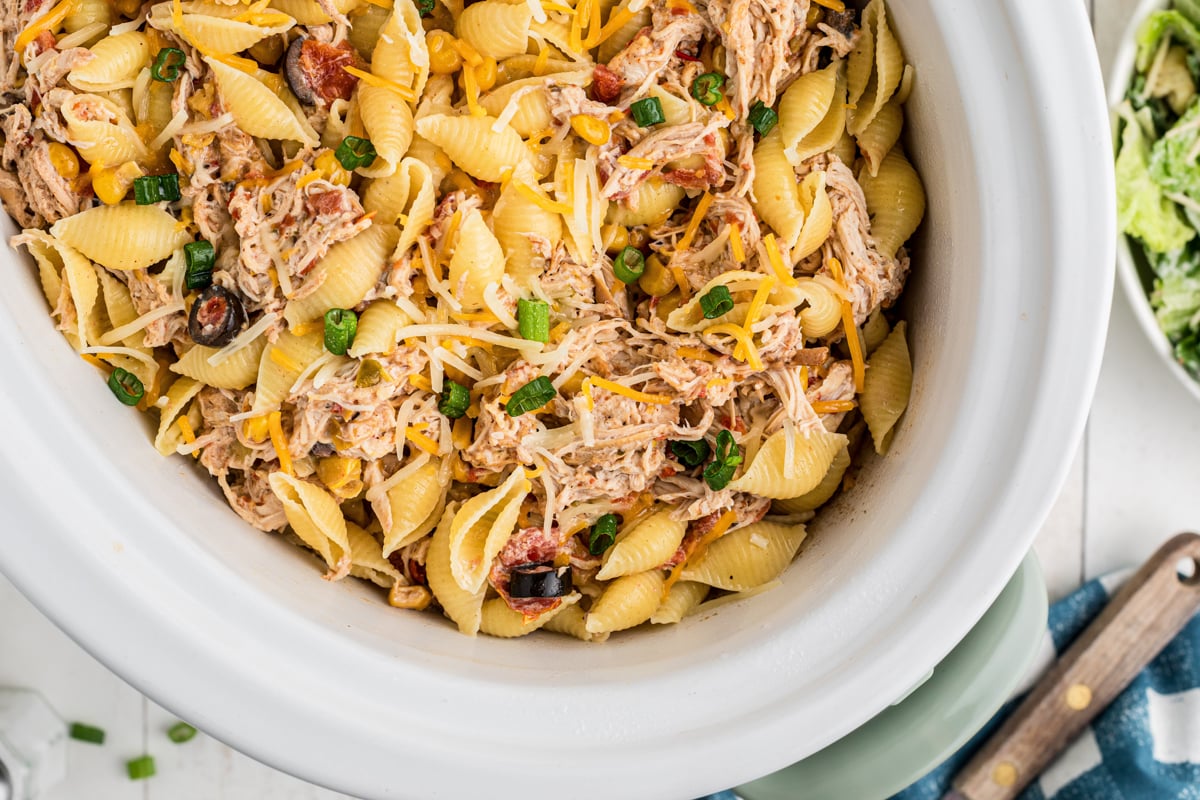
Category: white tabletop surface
[1132,486]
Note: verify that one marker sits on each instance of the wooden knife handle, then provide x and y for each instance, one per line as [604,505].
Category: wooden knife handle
[1135,626]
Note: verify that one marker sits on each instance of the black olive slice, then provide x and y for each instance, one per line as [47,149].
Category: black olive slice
[539,580]
[297,78]
[217,317]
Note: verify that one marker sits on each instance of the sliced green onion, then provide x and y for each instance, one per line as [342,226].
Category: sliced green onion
[531,396]
[181,732]
[354,152]
[630,265]
[719,473]
[141,768]
[648,111]
[126,386]
[707,88]
[603,534]
[151,189]
[425,7]
[455,399]
[762,118]
[341,326]
[716,302]
[533,319]
[200,257]
[691,454]
[87,733]
[167,65]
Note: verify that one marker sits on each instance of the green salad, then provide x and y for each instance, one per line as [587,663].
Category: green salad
[1158,171]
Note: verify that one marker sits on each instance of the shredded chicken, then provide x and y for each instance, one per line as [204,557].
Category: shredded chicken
[673,143]
[874,280]
[289,228]
[48,196]
[757,35]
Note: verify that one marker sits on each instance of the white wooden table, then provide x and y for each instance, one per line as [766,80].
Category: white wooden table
[1134,482]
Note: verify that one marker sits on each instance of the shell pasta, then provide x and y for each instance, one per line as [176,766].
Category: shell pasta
[549,318]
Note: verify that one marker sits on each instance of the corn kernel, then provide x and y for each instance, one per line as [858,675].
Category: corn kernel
[339,472]
[666,305]
[459,470]
[256,429]
[111,184]
[486,74]
[614,237]
[638,238]
[443,58]
[656,280]
[128,8]
[64,160]
[590,129]
[416,598]
[463,432]
[332,169]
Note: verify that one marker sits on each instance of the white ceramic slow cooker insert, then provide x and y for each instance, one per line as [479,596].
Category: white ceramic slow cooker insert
[141,562]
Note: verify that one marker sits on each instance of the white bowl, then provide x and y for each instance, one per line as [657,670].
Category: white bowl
[140,561]
[1138,280]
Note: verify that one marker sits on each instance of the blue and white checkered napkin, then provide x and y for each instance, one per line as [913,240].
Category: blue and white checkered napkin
[1145,746]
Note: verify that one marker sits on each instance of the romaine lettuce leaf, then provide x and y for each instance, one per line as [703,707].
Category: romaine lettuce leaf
[1187,352]
[1158,25]
[1173,159]
[1190,9]
[1176,300]
[1142,210]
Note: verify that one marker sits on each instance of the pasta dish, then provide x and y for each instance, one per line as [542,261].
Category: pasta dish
[544,314]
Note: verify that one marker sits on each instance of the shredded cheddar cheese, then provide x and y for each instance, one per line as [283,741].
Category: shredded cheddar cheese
[471,91]
[284,360]
[857,359]
[832,5]
[48,22]
[736,246]
[633,394]
[749,350]
[773,255]
[685,288]
[755,311]
[421,382]
[586,388]
[696,353]
[305,180]
[382,83]
[706,201]
[469,53]
[616,21]
[834,406]
[545,203]
[279,441]
[633,162]
[723,524]
[595,29]
[422,441]
[804,378]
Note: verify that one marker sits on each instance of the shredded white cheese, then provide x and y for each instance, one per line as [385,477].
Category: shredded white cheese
[173,127]
[491,298]
[130,328]
[244,339]
[128,352]
[513,106]
[455,329]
